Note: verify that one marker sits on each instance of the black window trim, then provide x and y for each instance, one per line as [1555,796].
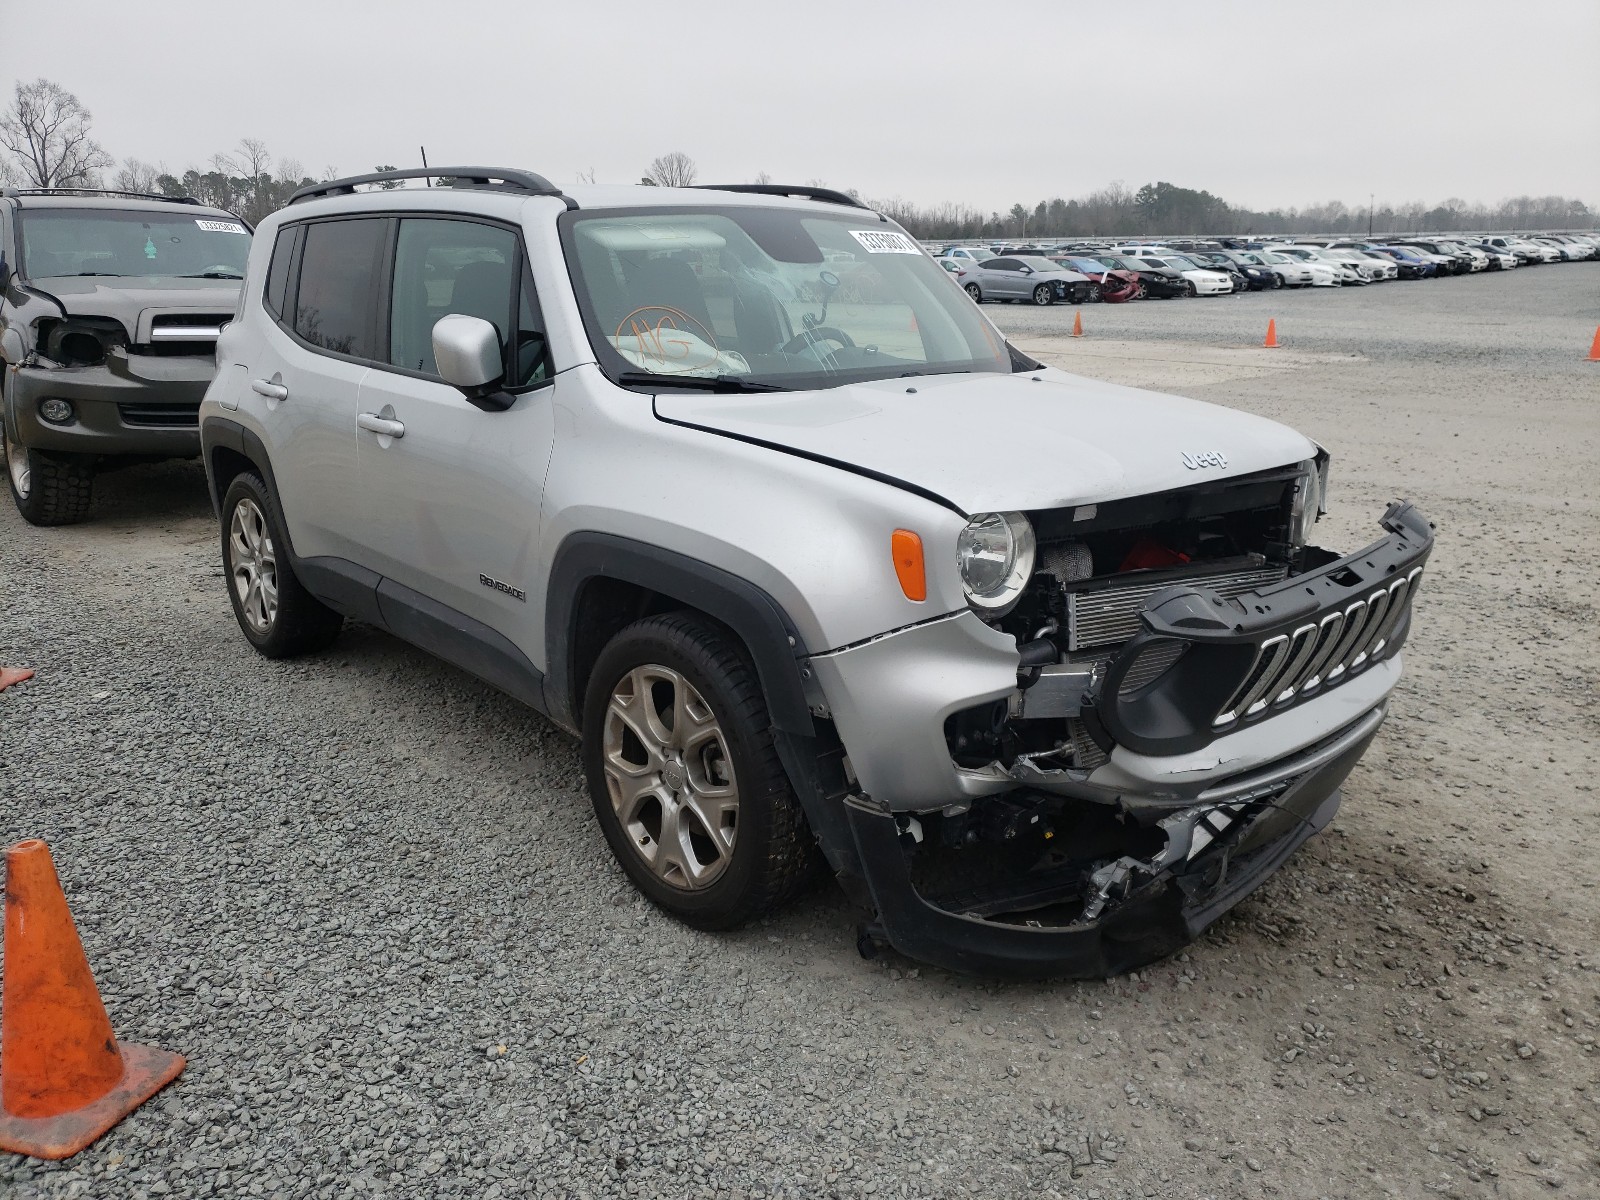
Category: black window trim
[285,321]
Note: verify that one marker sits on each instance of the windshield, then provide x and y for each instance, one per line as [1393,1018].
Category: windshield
[59,243]
[768,298]
[1088,266]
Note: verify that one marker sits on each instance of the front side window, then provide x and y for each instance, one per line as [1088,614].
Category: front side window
[340,288]
[772,298]
[62,243]
[443,267]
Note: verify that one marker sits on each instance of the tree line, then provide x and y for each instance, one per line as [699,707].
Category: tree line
[46,141]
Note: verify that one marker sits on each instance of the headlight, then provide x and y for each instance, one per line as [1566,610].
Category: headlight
[1309,492]
[995,555]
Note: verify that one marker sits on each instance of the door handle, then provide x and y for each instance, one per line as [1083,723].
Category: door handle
[272,391]
[381,426]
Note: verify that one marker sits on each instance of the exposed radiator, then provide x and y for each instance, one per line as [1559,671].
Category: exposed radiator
[1108,616]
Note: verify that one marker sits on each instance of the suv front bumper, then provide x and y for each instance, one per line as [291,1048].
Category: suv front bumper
[133,404]
[1007,931]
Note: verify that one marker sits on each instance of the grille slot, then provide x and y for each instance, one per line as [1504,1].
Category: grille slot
[168,416]
[1153,661]
[1340,643]
[1109,615]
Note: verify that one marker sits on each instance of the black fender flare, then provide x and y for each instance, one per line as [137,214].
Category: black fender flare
[219,432]
[774,645]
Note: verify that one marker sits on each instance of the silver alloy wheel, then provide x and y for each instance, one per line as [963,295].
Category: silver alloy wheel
[670,777]
[977,296]
[17,463]
[253,566]
[1042,296]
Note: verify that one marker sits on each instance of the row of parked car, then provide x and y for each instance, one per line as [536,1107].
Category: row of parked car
[1080,273]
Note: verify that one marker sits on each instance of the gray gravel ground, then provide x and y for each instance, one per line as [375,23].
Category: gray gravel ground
[364,894]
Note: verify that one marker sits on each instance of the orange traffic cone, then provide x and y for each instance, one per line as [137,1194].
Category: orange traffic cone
[64,1080]
[1077,324]
[1594,350]
[11,675]
[1272,334]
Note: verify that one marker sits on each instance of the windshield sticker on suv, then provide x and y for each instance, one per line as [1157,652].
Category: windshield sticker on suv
[878,242]
[219,226]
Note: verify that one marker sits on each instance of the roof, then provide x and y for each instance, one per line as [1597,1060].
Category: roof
[183,207]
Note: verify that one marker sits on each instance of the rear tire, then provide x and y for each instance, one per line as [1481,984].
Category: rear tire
[684,778]
[275,612]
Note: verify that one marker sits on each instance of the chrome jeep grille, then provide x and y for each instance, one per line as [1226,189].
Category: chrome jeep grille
[1321,653]
[1110,615]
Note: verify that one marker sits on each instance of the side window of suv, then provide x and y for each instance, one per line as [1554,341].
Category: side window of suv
[444,266]
[339,276]
[277,290]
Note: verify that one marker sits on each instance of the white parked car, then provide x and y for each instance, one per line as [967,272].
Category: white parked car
[972,254]
[1292,271]
[1324,272]
[1365,264]
[1201,281]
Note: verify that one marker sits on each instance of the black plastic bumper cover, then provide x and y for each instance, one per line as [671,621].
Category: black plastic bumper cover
[1153,921]
[1224,640]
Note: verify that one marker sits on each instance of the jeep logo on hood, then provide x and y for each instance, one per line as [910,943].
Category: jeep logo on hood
[1205,458]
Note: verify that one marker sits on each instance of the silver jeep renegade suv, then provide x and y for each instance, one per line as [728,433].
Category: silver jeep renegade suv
[738,486]
[110,305]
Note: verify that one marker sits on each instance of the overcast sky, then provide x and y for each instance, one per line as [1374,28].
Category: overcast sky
[1266,103]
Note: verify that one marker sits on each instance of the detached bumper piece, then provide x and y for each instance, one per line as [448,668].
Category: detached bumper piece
[1099,921]
[1206,664]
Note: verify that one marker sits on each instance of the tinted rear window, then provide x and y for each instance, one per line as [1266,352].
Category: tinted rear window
[278,273]
[336,305]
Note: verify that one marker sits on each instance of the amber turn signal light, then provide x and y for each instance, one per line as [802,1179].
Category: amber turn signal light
[906,549]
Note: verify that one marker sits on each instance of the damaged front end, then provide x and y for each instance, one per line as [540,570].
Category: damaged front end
[1194,684]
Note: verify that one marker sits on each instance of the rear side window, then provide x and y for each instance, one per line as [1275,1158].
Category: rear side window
[340,286]
[278,273]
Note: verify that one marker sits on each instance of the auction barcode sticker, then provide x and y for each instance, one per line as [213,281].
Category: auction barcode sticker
[881,242]
[220,226]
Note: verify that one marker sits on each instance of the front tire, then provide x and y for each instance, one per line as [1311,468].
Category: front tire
[48,489]
[1093,296]
[683,775]
[1043,295]
[275,612]
[976,294]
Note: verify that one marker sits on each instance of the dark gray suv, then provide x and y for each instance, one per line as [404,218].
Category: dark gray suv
[110,306]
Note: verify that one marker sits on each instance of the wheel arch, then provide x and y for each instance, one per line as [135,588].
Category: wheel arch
[599,583]
[229,449]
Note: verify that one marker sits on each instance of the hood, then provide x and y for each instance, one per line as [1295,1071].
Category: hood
[127,299]
[992,443]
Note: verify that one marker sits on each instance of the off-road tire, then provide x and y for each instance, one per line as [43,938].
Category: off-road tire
[60,486]
[302,624]
[773,852]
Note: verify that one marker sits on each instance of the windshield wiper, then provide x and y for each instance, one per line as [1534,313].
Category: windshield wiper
[212,275]
[701,383]
[96,274]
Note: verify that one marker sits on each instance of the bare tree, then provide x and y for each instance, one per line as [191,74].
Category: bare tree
[47,131]
[586,176]
[762,178]
[673,170]
[136,175]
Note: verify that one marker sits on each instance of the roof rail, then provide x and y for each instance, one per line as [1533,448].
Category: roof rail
[826,195]
[477,177]
[77,191]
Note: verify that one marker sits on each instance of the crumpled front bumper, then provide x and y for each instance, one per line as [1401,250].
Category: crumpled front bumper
[1159,912]
[133,404]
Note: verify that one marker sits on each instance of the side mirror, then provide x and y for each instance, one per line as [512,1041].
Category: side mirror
[467,353]
[1027,270]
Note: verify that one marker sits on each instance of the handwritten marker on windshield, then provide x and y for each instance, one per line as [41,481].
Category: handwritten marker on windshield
[1077,323]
